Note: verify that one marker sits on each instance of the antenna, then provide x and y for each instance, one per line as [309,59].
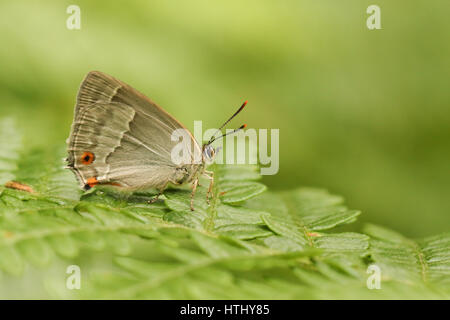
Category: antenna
[226,134]
[226,122]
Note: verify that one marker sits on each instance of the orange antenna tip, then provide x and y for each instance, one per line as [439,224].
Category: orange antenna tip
[240,109]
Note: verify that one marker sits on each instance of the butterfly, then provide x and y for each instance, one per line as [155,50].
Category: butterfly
[121,138]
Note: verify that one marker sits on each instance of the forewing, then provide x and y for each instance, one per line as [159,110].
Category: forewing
[129,135]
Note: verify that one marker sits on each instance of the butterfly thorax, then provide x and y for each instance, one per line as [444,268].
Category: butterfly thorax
[189,172]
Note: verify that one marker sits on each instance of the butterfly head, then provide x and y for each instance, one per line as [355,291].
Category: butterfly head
[209,153]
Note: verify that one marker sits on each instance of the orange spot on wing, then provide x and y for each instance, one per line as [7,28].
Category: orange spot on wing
[92,181]
[115,184]
[87,158]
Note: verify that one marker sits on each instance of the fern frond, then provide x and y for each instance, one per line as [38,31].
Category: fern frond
[248,243]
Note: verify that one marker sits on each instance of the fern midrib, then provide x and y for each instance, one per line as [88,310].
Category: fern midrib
[105,228]
[39,196]
[417,253]
[184,270]
[70,230]
[212,210]
[302,227]
[420,258]
[422,262]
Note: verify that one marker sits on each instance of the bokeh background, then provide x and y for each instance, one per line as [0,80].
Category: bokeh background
[365,114]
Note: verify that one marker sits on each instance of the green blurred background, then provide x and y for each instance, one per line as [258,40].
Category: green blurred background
[362,113]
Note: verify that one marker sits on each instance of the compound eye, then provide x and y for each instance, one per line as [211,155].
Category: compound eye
[210,152]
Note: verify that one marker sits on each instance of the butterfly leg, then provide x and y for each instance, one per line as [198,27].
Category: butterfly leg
[153,200]
[161,191]
[210,176]
[194,189]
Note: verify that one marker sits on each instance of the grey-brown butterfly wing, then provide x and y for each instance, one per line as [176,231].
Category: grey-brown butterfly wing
[120,137]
